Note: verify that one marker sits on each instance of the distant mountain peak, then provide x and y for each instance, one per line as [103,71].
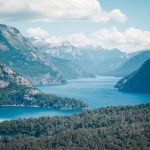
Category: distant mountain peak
[66,44]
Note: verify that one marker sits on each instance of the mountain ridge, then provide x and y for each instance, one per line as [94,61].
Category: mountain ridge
[92,60]
[138,81]
[20,55]
[133,64]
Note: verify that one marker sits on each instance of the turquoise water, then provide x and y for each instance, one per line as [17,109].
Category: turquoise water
[7,112]
[96,92]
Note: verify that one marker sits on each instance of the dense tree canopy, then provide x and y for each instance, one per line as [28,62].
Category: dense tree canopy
[113,128]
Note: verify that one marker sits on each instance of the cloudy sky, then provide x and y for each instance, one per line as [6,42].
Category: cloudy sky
[122,24]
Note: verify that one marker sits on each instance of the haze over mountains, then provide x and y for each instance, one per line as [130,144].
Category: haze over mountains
[133,64]
[92,59]
[41,62]
[99,61]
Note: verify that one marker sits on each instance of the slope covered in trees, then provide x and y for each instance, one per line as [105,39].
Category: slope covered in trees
[107,128]
[15,90]
[133,64]
[137,82]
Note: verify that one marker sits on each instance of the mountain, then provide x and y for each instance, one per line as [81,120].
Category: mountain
[110,128]
[64,64]
[92,60]
[15,90]
[137,82]
[68,69]
[132,64]
[21,56]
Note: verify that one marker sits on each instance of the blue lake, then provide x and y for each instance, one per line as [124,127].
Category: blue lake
[7,112]
[96,92]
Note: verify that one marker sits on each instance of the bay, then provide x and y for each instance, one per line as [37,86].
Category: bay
[96,92]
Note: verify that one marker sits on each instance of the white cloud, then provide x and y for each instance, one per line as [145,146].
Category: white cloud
[129,40]
[78,39]
[117,15]
[48,10]
[37,32]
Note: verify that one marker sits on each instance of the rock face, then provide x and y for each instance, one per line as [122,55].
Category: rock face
[21,56]
[16,90]
[137,82]
[132,64]
[7,76]
[10,83]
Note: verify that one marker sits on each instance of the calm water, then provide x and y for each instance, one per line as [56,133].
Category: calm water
[7,113]
[96,92]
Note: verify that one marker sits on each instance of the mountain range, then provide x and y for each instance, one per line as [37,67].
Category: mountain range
[24,58]
[91,59]
[40,62]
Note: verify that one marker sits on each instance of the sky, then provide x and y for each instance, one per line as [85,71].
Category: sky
[122,24]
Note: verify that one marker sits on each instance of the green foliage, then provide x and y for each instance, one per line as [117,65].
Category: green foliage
[137,82]
[133,64]
[15,95]
[12,95]
[107,128]
[18,93]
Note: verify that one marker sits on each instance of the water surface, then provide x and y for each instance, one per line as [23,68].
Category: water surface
[96,92]
[8,112]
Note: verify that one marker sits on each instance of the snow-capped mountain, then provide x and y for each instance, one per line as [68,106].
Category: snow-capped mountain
[63,50]
[92,60]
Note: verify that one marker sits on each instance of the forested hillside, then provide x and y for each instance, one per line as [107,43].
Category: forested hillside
[133,64]
[115,128]
[16,90]
[138,81]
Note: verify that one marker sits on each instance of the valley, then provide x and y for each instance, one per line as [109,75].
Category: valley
[95,92]
[67,97]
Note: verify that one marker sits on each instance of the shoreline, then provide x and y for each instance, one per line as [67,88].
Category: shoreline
[63,109]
